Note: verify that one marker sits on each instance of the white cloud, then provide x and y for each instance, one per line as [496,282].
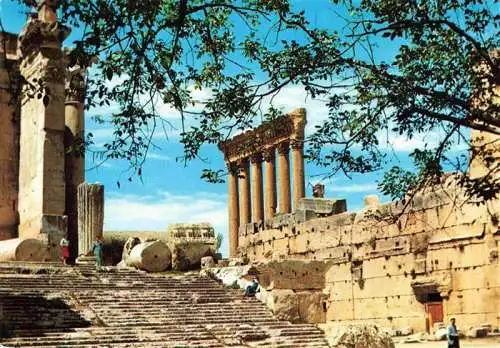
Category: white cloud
[157,156]
[156,212]
[352,188]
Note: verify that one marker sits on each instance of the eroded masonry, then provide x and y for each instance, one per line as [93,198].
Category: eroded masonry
[41,125]
[395,265]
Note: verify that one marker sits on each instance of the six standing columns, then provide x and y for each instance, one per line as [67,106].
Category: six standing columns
[247,205]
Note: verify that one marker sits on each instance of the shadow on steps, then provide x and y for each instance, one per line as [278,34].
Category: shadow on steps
[32,314]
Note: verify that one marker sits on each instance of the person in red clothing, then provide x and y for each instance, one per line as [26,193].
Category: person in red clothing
[64,249]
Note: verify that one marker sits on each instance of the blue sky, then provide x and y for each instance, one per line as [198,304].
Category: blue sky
[171,192]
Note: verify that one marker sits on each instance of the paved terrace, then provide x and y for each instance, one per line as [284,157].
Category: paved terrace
[55,306]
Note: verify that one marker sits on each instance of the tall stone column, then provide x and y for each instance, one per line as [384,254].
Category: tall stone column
[284,178]
[9,138]
[244,187]
[257,197]
[234,218]
[270,183]
[299,186]
[73,143]
[90,215]
[41,177]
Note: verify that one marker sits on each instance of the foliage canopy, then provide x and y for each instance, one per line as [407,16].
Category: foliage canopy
[246,51]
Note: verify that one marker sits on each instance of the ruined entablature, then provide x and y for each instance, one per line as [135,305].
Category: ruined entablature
[186,233]
[288,128]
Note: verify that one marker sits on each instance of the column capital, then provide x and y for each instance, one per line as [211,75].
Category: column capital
[269,154]
[47,10]
[75,85]
[256,158]
[283,148]
[297,144]
[232,167]
[242,163]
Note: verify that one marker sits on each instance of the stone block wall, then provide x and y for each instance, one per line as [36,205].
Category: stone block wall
[386,264]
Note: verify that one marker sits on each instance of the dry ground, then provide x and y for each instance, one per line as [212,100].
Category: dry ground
[480,343]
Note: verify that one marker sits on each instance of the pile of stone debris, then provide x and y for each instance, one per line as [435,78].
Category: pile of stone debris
[182,250]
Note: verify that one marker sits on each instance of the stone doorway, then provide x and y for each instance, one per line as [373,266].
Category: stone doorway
[433,310]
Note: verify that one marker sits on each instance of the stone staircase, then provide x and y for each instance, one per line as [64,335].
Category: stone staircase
[55,306]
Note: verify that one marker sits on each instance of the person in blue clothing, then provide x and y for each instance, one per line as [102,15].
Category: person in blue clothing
[97,251]
[253,288]
[452,335]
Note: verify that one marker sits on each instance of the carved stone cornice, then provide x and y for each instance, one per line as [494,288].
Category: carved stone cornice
[283,148]
[75,85]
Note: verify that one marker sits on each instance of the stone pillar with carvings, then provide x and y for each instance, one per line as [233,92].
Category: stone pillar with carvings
[257,196]
[284,177]
[74,145]
[90,215]
[244,187]
[41,177]
[270,183]
[299,186]
[233,208]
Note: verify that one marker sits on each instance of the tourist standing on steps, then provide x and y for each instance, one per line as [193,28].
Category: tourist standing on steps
[97,251]
[452,335]
[64,243]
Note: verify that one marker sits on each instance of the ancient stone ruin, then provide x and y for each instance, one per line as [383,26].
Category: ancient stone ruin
[41,158]
[406,267]
[254,147]
[394,267]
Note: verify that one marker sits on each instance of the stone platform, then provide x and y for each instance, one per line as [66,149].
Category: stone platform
[55,306]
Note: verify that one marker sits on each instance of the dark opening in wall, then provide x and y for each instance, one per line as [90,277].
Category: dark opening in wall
[325,306]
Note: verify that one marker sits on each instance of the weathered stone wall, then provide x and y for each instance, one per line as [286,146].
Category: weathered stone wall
[387,263]
[9,138]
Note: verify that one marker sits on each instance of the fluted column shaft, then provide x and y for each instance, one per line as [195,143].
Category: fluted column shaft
[257,196]
[284,178]
[244,187]
[270,174]
[234,218]
[90,215]
[299,186]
